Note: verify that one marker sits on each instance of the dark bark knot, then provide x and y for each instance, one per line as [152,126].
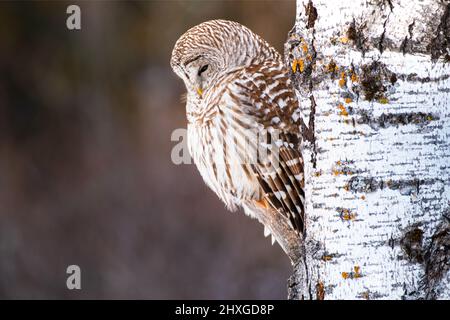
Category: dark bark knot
[356,33]
[440,44]
[311,13]
[411,243]
[377,81]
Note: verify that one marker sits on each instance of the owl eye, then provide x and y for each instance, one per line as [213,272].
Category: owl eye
[202,69]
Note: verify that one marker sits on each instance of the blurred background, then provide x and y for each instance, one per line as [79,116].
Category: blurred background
[86,176]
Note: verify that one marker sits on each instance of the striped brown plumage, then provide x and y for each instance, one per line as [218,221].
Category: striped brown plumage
[243,119]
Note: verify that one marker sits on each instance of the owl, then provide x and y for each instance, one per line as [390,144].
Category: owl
[244,131]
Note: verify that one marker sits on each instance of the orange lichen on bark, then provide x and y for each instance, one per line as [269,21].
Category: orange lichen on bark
[344,40]
[347,215]
[348,100]
[355,274]
[354,77]
[294,65]
[327,258]
[342,81]
[298,64]
[301,64]
[343,110]
[317,173]
[305,48]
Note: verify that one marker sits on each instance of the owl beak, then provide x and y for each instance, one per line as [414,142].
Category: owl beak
[200,91]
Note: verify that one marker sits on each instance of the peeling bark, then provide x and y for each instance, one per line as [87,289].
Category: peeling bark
[374,88]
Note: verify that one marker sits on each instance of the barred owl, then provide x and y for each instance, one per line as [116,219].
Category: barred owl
[243,123]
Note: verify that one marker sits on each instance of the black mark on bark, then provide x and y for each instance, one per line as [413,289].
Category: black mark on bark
[369,295]
[309,133]
[395,119]
[311,13]
[413,77]
[405,187]
[405,47]
[376,80]
[351,31]
[380,43]
[440,44]
[355,33]
[411,243]
[391,6]
[446,58]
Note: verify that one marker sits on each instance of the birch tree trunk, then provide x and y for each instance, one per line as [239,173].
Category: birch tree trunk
[373,81]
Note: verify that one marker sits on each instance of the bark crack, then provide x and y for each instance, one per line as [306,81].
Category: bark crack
[380,43]
[408,38]
[309,131]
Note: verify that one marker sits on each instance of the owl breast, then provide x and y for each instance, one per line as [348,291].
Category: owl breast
[222,158]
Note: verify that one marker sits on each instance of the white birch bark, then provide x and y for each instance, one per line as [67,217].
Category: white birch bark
[373,82]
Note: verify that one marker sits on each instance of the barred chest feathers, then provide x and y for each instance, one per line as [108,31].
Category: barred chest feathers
[221,150]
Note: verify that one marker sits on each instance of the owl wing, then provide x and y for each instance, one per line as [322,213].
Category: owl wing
[261,96]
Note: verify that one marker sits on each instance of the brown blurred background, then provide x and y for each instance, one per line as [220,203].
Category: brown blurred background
[86,176]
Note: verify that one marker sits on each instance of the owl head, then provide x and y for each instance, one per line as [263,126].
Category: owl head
[214,48]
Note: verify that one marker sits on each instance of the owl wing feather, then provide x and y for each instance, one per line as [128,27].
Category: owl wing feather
[264,95]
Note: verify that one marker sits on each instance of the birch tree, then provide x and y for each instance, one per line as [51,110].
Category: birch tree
[372,77]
